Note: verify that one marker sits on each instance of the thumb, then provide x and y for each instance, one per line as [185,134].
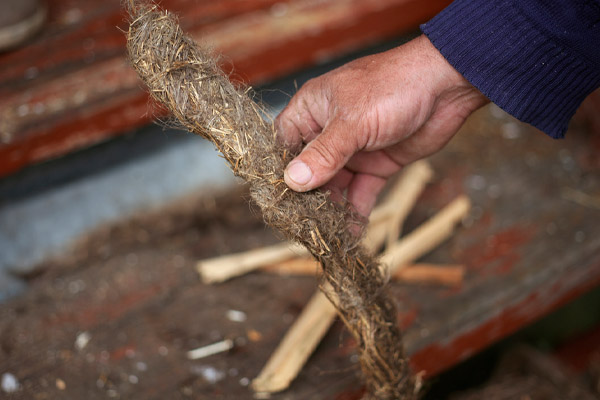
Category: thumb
[322,158]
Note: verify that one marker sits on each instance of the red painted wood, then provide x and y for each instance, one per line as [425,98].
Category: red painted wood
[67,89]
[440,356]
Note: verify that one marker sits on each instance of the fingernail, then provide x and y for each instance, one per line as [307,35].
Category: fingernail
[299,173]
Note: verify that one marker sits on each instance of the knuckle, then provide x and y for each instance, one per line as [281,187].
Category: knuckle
[326,155]
[310,84]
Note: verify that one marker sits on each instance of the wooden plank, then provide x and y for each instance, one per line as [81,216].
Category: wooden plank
[134,289]
[71,87]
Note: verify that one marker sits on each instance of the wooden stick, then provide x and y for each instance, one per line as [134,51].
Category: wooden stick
[431,233]
[430,274]
[399,201]
[299,266]
[448,275]
[427,236]
[210,350]
[220,269]
[405,196]
[297,345]
[223,268]
[392,211]
[375,236]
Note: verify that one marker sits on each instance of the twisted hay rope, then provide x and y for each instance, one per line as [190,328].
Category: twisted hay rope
[187,80]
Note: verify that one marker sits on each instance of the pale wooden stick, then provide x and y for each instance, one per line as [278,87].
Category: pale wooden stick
[210,350]
[427,236]
[222,268]
[299,266]
[297,345]
[397,204]
[376,231]
[393,210]
[447,275]
[431,233]
[410,186]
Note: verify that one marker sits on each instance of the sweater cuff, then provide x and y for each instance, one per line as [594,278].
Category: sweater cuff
[513,62]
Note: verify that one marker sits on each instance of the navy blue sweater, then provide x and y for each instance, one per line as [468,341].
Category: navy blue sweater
[537,60]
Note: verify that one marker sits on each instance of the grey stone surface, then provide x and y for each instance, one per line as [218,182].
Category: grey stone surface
[44,224]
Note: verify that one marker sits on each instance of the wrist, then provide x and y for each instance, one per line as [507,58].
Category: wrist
[447,84]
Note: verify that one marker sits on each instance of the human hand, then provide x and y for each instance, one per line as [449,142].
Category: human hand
[366,120]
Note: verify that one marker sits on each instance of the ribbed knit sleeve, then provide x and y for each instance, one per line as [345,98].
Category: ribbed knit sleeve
[537,60]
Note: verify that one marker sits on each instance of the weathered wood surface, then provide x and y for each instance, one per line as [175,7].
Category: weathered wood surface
[531,244]
[71,87]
